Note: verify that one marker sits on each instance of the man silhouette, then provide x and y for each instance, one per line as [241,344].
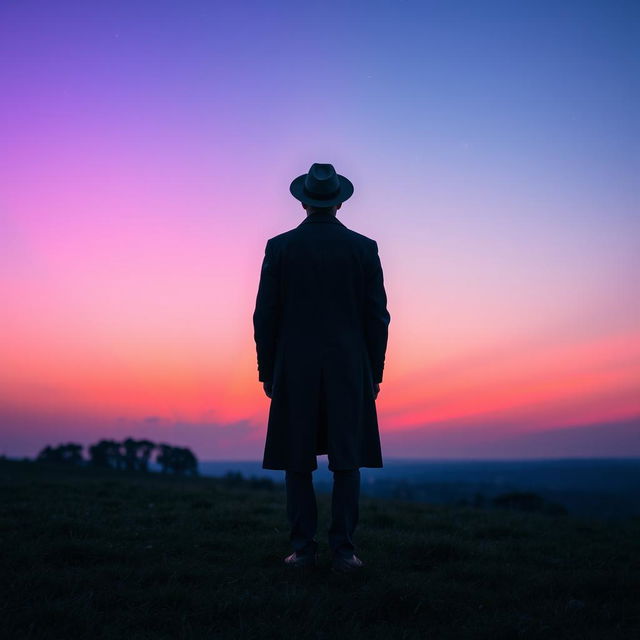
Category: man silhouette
[321,327]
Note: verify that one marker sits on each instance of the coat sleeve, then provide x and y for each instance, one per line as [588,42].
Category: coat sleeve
[266,315]
[377,317]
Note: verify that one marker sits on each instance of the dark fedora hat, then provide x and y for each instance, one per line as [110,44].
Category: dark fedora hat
[321,187]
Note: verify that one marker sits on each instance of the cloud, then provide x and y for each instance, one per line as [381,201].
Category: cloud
[24,434]
[619,438]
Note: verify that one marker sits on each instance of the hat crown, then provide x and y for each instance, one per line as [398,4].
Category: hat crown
[322,181]
[322,186]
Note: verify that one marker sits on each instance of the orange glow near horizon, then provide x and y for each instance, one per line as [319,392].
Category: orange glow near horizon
[564,384]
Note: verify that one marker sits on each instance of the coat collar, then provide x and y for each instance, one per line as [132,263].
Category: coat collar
[321,217]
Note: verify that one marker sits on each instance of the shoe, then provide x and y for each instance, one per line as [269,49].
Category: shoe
[297,560]
[346,565]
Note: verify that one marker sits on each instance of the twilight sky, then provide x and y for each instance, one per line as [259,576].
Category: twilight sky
[146,153]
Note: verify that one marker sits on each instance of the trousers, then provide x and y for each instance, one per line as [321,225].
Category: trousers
[302,511]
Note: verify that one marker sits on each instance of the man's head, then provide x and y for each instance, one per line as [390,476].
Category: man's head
[313,209]
[323,187]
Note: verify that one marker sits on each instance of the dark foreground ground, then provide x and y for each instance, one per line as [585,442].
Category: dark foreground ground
[107,554]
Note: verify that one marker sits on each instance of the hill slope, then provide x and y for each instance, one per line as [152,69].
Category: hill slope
[107,554]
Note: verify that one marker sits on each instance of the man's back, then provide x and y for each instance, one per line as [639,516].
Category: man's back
[321,326]
[330,287]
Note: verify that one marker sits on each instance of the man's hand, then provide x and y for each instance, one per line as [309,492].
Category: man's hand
[376,390]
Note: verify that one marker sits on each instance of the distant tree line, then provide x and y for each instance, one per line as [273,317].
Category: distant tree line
[514,500]
[128,455]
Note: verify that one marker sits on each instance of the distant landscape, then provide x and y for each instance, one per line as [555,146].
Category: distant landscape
[603,488]
[607,489]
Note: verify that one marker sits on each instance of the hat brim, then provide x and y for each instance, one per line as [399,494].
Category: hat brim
[297,191]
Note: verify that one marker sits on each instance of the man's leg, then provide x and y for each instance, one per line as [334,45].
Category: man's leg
[344,511]
[302,511]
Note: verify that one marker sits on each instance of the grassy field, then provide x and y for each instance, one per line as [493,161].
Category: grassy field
[111,554]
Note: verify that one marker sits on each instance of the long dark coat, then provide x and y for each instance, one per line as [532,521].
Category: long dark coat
[320,327]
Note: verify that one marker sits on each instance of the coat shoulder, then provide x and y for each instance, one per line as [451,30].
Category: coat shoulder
[363,239]
[286,236]
[281,237]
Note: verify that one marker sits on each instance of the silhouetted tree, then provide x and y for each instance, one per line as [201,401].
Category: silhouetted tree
[48,454]
[130,447]
[116,455]
[98,454]
[69,453]
[164,457]
[183,461]
[146,448]
[131,455]
[107,453]
[179,460]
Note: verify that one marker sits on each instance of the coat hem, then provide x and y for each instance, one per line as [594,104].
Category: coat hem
[284,467]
